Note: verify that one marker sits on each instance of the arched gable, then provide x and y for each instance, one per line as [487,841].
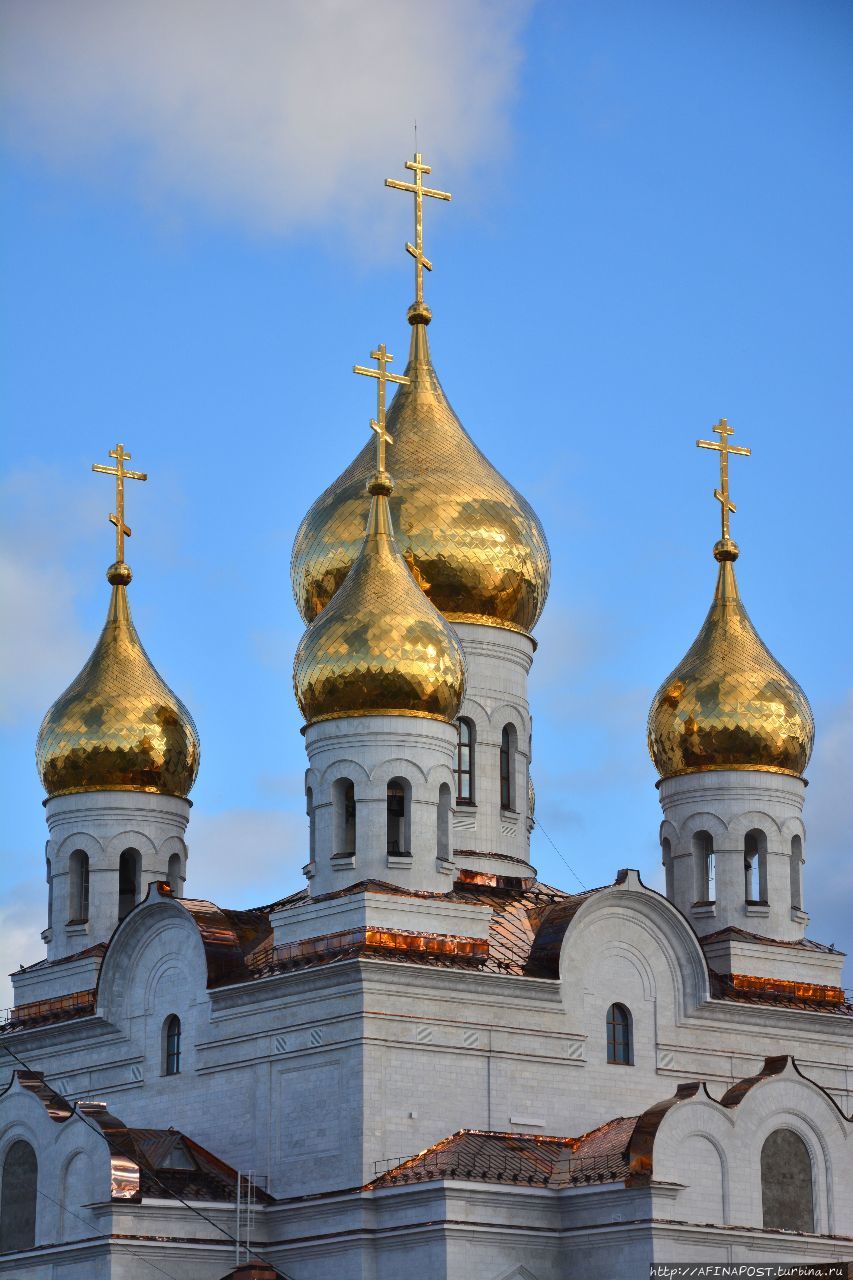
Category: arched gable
[155,931]
[737,1127]
[633,924]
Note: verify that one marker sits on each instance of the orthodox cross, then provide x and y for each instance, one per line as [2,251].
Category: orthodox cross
[419,191]
[724,449]
[121,474]
[383,377]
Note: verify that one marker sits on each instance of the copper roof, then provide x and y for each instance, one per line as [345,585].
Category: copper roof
[520,1159]
[38,1013]
[733,933]
[159,1161]
[748,989]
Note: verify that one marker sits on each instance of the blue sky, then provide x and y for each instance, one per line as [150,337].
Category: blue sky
[649,230]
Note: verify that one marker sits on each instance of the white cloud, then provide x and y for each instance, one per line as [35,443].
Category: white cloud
[23,915]
[41,646]
[278,114]
[828,815]
[246,857]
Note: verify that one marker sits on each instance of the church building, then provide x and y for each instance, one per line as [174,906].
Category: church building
[425,1061]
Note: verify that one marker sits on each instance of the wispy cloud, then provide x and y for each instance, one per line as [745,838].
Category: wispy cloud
[41,645]
[23,915]
[828,815]
[275,114]
[246,857]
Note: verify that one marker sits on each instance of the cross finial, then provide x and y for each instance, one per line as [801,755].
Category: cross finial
[117,517]
[418,311]
[724,449]
[383,377]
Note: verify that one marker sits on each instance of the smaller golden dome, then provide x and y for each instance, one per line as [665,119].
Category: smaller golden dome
[379,647]
[118,727]
[729,704]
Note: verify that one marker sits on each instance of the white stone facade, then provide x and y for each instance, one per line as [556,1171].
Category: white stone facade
[317,1079]
[354,761]
[733,849]
[89,833]
[498,662]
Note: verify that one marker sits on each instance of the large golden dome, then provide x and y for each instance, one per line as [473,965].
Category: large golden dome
[474,544]
[729,704]
[118,727]
[379,647]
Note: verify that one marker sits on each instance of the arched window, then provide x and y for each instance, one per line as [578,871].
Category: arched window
[172,1046]
[312,828]
[344,811]
[397,807]
[176,879]
[465,762]
[443,816]
[78,887]
[49,894]
[704,862]
[787,1198]
[666,859]
[620,1038]
[755,866]
[128,881]
[18,1192]
[509,739]
[797,873]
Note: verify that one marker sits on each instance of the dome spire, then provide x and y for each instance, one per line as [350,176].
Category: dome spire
[119,573]
[419,312]
[377,424]
[725,548]
[729,704]
[118,726]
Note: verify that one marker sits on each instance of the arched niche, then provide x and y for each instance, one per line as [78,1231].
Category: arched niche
[18,1197]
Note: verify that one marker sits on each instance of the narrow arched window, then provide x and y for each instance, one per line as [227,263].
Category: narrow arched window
[312,828]
[620,1046]
[443,819]
[666,859]
[49,894]
[18,1191]
[172,1046]
[755,866]
[397,808]
[797,873]
[128,881]
[465,762]
[787,1197]
[78,887]
[176,879]
[705,865]
[509,739]
[344,817]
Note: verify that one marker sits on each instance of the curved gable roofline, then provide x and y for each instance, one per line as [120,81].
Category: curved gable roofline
[777,1066]
[641,1145]
[556,921]
[33,1082]
[227,937]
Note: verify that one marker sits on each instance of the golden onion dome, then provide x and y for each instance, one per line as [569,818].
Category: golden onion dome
[729,704]
[379,647]
[474,544]
[118,727]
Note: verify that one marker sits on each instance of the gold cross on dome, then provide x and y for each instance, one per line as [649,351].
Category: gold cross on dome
[121,474]
[724,449]
[381,356]
[418,189]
